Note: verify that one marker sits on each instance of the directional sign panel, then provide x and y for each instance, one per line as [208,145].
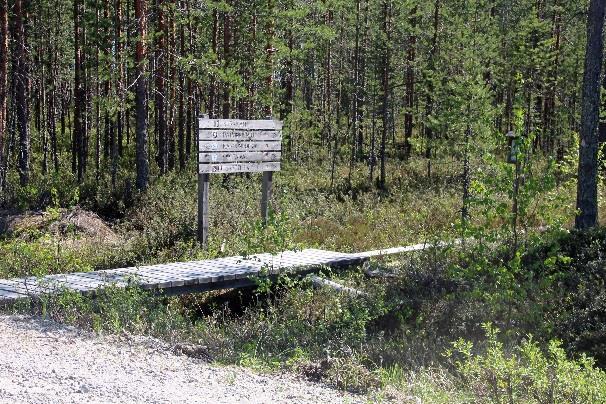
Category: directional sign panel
[240,145]
[233,145]
[253,124]
[226,168]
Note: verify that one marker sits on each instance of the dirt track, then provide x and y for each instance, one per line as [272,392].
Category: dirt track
[45,362]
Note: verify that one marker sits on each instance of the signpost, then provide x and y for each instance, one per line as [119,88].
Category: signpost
[236,146]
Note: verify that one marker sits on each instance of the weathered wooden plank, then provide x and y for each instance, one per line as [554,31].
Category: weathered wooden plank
[72,281]
[9,294]
[110,279]
[131,275]
[160,277]
[151,276]
[144,279]
[238,167]
[238,157]
[196,270]
[176,275]
[201,272]
[238,145]
[192,276]
[205,123]
[206,135]
[22,286]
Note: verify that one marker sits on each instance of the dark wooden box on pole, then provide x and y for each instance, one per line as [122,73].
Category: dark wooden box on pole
[236,146]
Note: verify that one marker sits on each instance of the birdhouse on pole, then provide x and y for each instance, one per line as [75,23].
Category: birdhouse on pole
[513,146]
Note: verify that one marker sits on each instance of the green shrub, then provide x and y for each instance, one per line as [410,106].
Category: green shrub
[115,310]
[569,277]
[526,374]
[43,257]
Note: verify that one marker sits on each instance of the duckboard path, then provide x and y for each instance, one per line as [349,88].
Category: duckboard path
[181,277]
[194,276]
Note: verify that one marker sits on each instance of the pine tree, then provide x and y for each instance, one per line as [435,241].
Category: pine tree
[587,190]
[4,56]
[141,96]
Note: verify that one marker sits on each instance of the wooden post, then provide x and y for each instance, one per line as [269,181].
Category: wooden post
[236,146]
[266,195]
[203,188]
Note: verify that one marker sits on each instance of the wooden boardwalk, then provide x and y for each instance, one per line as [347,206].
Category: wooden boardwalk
[181,277]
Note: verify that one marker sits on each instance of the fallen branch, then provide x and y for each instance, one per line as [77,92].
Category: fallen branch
[321,282]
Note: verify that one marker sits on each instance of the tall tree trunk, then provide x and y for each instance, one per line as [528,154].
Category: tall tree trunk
[161,90]
[373,132]
[270,63]
[98,107]
[110,124]
[87,97]
[287,80]
[171,84]
[410,81]
[181,113]
[190,121]
[327,96]
[227,38]
[22,90]
[550,98]
[127,74]
[385,85]
[355,113]
[3,86]
[43,128]
[79,92]
[362,85]
[587,189]
[52,97]
[120,77]
[141,97]
[429,134]
[212,96]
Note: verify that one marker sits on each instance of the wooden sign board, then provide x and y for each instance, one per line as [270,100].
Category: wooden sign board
[235,157]
[238,168]
[255,145]
[236,146]
[252,124]
[238,135]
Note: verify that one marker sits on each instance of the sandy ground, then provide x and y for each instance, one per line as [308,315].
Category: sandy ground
[45,362]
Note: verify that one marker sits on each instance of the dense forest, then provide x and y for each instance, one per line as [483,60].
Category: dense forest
[471,131]
[112,89]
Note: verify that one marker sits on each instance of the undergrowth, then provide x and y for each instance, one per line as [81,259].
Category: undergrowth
[392,343]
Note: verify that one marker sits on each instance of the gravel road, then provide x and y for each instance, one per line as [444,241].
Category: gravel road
[45,362]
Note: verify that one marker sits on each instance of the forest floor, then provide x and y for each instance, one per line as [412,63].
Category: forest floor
[43,361]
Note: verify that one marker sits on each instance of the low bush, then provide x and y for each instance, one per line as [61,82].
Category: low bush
[526,374]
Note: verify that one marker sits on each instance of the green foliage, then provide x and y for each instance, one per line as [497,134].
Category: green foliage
[527,374]
[114,310]
[272,237]
[479,69]
[24,258]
